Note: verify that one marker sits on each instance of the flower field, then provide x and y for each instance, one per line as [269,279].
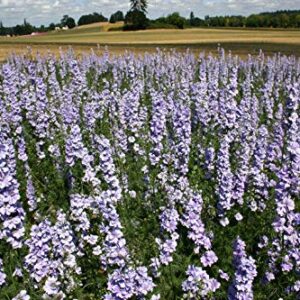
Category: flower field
[164,176]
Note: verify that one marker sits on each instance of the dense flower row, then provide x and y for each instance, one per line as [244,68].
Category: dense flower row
[166,176]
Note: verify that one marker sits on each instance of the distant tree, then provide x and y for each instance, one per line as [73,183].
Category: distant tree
[68,21]
[112,19]
[275,22]
[252,21]
[42,28]
[176,19]
[116,17]
[192,16]
[91,18]
[207,20]
[197,22]
[2,29]
[140,5]
[27,28]
[135,20]
[64,19]
[51,26]
[192,19]
[17,30]
[24,29]
[237,21]
[297,19]
[284,20]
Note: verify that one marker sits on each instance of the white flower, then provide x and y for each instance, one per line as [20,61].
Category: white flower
[136,147]
[131,139]
[224,222]
[97,250]
[238,216]
[22,296]
[18,273]
[132,194]
[51,286]
[145,169]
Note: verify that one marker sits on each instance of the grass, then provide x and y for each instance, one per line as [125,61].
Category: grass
[92,35]
[240,41]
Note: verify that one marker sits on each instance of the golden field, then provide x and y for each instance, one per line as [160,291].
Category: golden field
[240,41]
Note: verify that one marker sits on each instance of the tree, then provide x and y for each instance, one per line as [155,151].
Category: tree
[68,21]
[297,20]
[252,21]
[42,28]
[207,20]
[116,17]
[192,19]
[284,20]
[64,19]
[176,20]
[51,26]
[135,20]
[2,29]
[91,18]
[139,5]
[197,22]
[24,29]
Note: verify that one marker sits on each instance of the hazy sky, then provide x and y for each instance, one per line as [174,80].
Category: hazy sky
[40,12]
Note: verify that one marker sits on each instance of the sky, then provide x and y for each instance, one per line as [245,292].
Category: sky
[39,12]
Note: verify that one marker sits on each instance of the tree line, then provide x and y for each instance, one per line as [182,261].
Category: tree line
[136,19]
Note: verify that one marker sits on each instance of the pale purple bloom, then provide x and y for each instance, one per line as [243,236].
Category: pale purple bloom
[52,286]
[224,275]
[245,272]
[129,282]
[2,274]
[22,296]
[209,258]
[238,216]
[198,283]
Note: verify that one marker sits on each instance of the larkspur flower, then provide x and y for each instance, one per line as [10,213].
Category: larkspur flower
[208,258]
[124,284]
[225,177]
[122,168]
[2,274]
[198,283]
[22,296]
[245,272]
[12,214]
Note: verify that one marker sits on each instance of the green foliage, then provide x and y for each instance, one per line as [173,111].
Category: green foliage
[116,17]
[158,25]
[24,29]
[51,26]
[195,22]
[91,18]
[174,20]
[278,19]
[135,20]
[68,21]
